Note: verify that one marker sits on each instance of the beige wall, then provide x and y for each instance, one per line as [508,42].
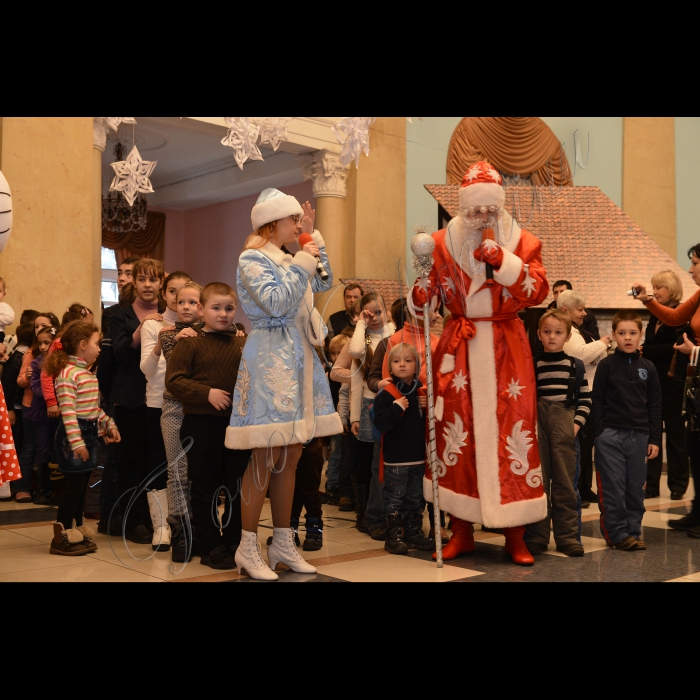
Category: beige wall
[375,207]
[649,177]
[50,258]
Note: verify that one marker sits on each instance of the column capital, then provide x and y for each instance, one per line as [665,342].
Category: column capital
[99,133]
[326,172]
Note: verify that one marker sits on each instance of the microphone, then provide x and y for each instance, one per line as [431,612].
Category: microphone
[305,238]
[488,236]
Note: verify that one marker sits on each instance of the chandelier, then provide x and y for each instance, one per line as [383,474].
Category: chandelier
[117,216]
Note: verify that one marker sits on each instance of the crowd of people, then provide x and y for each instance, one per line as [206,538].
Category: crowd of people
[202,422]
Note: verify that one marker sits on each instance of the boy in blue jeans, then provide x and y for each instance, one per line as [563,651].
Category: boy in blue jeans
[627,431]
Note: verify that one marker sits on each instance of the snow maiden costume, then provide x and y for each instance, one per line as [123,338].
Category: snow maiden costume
[282,395]
[486,398]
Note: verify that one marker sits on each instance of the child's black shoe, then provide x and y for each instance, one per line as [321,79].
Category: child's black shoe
[394,535]
[414,536]
[314,535]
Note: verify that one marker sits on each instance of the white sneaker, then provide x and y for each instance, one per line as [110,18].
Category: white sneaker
[284,550]
[248,558]
[158,506]
[5,493]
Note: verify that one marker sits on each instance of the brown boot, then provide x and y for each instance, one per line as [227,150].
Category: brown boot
[461,542]
[88,533]
[67,543]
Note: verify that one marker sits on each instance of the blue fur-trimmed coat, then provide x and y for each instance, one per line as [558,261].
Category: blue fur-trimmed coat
[282,394]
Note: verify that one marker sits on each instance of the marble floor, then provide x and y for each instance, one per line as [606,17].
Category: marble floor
[348,555]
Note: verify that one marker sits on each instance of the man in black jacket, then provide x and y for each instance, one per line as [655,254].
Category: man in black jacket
[342,319]
[106,374]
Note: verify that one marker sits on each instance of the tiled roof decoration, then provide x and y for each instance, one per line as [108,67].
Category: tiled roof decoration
[586,239]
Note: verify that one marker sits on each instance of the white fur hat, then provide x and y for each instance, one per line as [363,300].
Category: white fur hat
[482,186]
[273,205]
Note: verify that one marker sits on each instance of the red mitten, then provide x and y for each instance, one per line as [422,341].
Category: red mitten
[490,252]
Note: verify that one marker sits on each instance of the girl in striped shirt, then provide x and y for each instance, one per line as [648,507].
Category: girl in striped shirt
[82,421]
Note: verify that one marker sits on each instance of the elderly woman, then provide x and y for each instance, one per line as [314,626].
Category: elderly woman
[687,312]
[583,345]
[670,363]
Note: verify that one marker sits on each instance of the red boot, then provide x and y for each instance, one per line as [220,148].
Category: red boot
[515,546]
[461,542]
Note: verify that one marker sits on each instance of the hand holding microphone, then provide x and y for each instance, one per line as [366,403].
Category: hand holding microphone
[307,244]
[491,253]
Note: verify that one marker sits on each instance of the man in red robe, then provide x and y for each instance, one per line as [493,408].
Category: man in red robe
[486,398]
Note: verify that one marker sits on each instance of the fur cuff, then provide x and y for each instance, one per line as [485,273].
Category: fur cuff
[86,531]
[318,239]
[448,364]
[306,262]
[73,535]
[510,269]
[439,408]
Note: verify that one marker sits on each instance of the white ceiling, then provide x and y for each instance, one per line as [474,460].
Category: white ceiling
[194,168]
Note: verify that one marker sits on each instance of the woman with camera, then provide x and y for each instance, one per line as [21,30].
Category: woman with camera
[687,312]
[670,363]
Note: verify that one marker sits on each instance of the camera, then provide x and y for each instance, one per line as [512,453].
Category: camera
[632,292]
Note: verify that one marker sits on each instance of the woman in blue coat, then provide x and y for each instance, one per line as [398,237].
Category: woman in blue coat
[282,398]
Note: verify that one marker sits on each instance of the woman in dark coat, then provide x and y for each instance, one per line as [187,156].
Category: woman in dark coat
[671,366]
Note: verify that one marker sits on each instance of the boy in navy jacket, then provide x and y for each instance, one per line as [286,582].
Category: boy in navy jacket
[627,431]
[400,416]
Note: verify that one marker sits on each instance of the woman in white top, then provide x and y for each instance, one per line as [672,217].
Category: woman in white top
[585,347]
[353,365]
[153,366]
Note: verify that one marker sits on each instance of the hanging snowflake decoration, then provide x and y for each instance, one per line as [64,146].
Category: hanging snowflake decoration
[132,176]
[114,122]
[353,135]
[273,130]
[241,136]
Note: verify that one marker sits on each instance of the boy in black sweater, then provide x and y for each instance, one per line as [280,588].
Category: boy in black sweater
[627,432]
[562,412]
[402,424]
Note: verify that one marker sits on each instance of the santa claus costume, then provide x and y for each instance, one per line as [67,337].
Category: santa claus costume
[486,399]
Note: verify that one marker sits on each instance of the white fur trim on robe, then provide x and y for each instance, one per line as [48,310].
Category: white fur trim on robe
[510,269]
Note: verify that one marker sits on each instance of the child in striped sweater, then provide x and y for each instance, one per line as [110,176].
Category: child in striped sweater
[82,421]
[563,405]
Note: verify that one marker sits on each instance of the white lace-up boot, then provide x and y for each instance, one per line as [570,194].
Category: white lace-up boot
[284,550]
[248,558]
[158,505]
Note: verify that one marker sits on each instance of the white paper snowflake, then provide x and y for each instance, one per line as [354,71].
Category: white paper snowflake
[132,176]
[114,122]
[273,130]
[514,388]
[459,381]
[423,283]
[241,136]
[353,135]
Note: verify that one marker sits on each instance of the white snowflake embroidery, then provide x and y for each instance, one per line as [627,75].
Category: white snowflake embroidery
[449,284]
[455,438]
[518,445]
[243,388]
[254,270]
[528,283]
[514,388]
[280,380]
[494,174]
[423,283]
[459,381]
[473,173]
[505,293]
[321,402]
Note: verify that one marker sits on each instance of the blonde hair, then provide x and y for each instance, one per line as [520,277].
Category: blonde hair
[266,232]
[558,314]
[189,285]
[337,343]
[670,280]
[570,299]
[401,347]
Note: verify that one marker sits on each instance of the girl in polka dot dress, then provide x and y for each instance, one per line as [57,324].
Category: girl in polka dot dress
[9,466]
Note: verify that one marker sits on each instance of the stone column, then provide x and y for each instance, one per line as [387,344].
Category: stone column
[99,141]
[328,176]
